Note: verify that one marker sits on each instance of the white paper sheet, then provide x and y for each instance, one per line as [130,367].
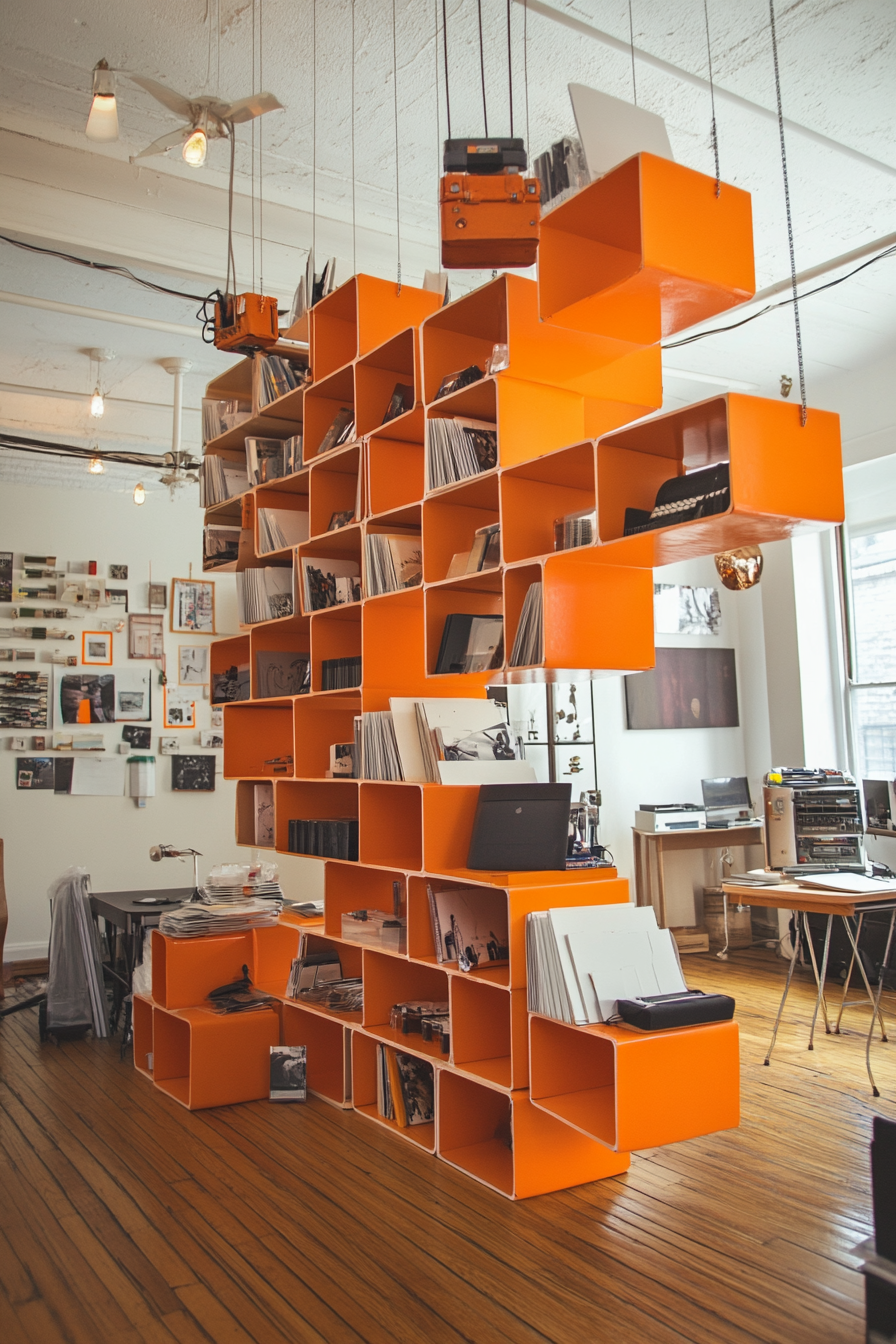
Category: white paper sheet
[100,777]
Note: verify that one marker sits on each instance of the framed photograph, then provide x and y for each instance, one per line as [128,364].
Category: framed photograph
[210,737]
[192,664]
[36,772]
[118,597]
[138,739]
[118,571]
[193,606]
[133,694]
[688,688]
[158,595]
[96,648]
[38,744]
[84,697]
[146,636]
[193,774]
[169,746]
[180,710]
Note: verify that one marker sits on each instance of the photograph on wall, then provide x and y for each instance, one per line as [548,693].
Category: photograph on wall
[218,718]
[133,693]
[118,597]
[139,738]
[211,737]
[85,697]
[96,647]
[169,746]
[158,595]
[688,688]
[679,609]
[193,774]
[35,772]
[180,710]
[118,572]
[192,664]
[146,636]
[193,606]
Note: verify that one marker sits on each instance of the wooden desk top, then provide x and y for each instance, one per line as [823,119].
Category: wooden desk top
[788,896]
[710,837]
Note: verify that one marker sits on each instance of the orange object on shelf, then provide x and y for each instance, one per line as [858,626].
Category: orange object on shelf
[204,1059]
[489,220]
[246,322]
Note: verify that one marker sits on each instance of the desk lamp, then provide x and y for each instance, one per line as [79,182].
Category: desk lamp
[159,852]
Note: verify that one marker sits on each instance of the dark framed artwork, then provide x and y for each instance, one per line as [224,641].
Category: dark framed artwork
[688,688]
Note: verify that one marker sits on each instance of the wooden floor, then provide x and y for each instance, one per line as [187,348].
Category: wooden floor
[125,1218]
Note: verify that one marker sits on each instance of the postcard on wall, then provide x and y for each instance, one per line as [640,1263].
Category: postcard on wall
[211,737]
[99,777]
[140,739]
[193,606]
[169,746]
[96,647]
[84,697]
[682,610]
[218,718]
[192,664]
[118,597]
[133,694]
[34,772]
[180,709]
[146,636]
[158,595]
[118,572]
[193,774]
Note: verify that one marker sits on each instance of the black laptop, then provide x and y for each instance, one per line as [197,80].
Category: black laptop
[521,828]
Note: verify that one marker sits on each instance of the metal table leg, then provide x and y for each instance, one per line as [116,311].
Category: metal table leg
[723,955]
[790,968]
[873,999]
[876,1012]
[819,979]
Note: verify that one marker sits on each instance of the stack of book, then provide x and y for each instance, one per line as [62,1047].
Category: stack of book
[394,561]
[220,416]
[528,644]
[23,699]
[575,529]
[340,674]
[443,740]
[311,970]
[263,594]
[279,529]
[273,377]
[404,1088]
[271,459]
[471,642]
[379,747]
[456,449]
[220,480]
[220,544]
[326,838]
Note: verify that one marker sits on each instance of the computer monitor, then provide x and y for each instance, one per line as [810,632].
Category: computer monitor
[727,791]
[877,803]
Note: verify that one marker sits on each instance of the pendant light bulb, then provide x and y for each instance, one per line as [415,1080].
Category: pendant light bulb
[139,493]
[97,403]
[96,466]
[196,148]
[102,123]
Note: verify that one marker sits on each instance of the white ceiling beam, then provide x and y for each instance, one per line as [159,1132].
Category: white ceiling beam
[99,314]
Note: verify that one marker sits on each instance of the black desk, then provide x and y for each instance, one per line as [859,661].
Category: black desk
[125,922]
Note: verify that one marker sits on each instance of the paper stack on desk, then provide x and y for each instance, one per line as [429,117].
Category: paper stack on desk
[192,921]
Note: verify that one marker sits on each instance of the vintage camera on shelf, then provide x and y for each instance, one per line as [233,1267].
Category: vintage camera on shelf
[490,213]
[246,322]
[425,1018]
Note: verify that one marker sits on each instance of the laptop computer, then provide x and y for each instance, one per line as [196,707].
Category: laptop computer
[520,828]
[727,801]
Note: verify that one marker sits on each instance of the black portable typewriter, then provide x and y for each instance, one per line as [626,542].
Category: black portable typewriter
[682,499]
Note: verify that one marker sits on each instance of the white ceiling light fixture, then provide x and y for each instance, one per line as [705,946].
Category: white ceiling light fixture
[206,119]
[139,493]
[96,466]
[102,123]
[99,356]
[182,467]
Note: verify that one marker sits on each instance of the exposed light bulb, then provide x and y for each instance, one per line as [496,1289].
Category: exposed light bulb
[196,148]
[139,493]
[96,466]
[97,403]
[102,123]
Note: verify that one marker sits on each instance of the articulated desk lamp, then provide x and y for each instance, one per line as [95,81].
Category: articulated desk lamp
[159,852]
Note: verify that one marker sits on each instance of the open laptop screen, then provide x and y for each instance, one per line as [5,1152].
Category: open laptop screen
[729,791]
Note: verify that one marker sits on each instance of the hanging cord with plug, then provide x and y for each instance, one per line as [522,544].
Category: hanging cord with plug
[713,133]
[631,43]
[395,112]
[796,303]
[482,68]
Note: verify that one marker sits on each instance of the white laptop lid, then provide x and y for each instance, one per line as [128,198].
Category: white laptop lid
[612,130]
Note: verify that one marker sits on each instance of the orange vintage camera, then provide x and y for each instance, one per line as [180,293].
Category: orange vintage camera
[489,220]
[246,322]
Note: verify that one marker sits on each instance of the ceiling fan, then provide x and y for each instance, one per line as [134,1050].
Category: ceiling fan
[205,119]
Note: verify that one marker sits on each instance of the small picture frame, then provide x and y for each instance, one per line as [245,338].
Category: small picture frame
[192,664]
[146,636]
[211,737]
[192,607]
[118,597]
[218,717]
[180,710]
[96,648]
[158,595]
[118,572]
[17,744]
[193,774]
[169,746]
[38,744]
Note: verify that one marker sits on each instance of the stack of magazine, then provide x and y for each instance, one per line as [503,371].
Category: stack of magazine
[471,642]
[394,561]
[279,529]
[220,416]
[575,529]
[272,459]
[457,449]
[528,645]
[220,480]
[441,740]
[197,919]
[220,544]
[405,1088]
[329,582]
[263,594]
[273,377]
[379,747]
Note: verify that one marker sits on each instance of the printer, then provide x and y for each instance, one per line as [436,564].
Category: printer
[670,817]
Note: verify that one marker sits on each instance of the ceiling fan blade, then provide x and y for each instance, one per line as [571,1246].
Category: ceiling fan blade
[165,142]
[175,102]
[244,109]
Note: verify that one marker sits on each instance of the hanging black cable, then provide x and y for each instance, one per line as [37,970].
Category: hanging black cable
[713,134]
[395,110]
[509,69]
[107,267]
[231,259]
[445,50]
[631,43]
[354,216]
[310,297]
[796,304]
[482,67]
[526,64]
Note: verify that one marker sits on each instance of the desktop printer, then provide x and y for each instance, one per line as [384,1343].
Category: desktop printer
[727,802]
[670,817]
[813,821]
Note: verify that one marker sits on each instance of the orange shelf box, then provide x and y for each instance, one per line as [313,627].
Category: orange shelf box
[204,1059]
[361,315]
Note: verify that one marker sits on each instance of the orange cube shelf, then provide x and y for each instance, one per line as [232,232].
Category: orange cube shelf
[395,469]
[293,500]
[335,633]
[391,825]
[227,653]
[535,495]
[321,721]
[506,1143]
[204,1059]
[632,1090]
[286,636]
[376,378]
[328,1043]
[364,1090]
[647,249]
[255,734]
[323,402]
[296,800]
[142,1020]
[489,1031]
[334,488]
[350,887]
[361,315]
[451,516]
[245,811]
[185,970]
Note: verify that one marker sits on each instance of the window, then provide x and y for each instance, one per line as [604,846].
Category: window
[872,566]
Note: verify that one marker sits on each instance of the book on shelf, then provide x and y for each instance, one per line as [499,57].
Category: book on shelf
[328,582]
[528,643]
[582,959]
[220,480]
[394,561]
[272,459]
[263,800]
[405,1089]
[402,400]
[457,449]
[342,761]
[341,430]
[220,544]
[324,838]
[471,642]
[280,673]
[453,382]
[379,746]
[340,674]
[447,740]
[221,415]
[273,377]
[310,970]
[341,518]
[469,925]
[264,594]
[279,529]
[288,1073]
[231,685]
[575,529]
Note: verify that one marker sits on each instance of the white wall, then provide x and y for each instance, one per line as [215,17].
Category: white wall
[110,837]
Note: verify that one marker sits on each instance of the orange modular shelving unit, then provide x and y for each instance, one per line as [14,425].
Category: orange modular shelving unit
[522,1104]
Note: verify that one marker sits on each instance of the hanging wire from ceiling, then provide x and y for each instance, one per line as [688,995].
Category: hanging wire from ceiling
[260,121]
[631,43]
[313,137]
[208,55]
[713,131]
[354,213]
[445,50]
[218,46]
[482,67]
[395,115]
[438,138]
[795,300]
[254,134]
[526,64]
[509,69]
